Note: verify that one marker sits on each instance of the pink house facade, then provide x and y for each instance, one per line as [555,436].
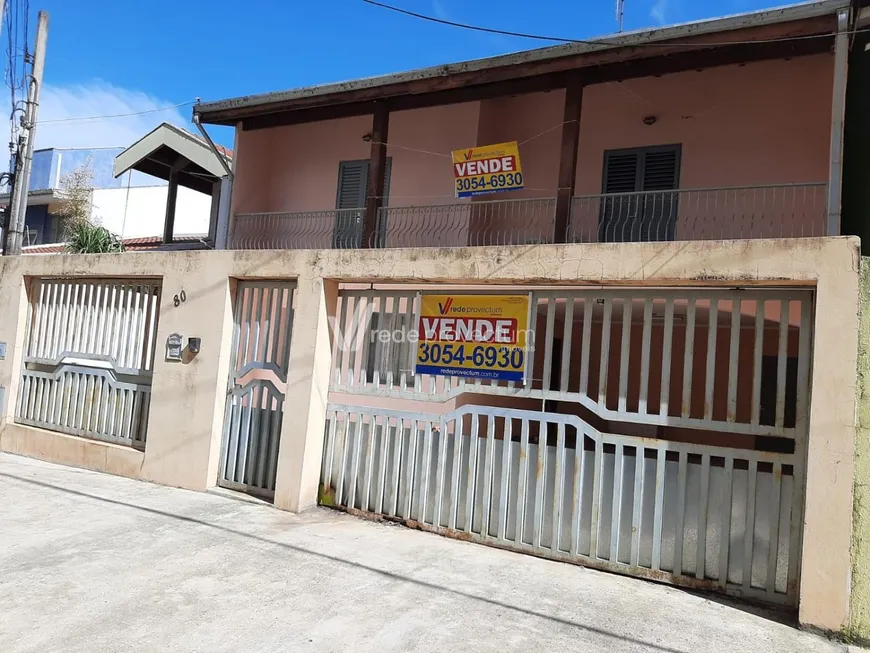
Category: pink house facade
[694,139]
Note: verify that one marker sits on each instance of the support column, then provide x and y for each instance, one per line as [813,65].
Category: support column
[171,199]
[838,108]
[377,174]
[568,158]
[13,327]
[222,228]
[213,211]
[188,398]
[301,448]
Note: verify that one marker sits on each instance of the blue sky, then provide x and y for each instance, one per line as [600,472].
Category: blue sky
[119,56]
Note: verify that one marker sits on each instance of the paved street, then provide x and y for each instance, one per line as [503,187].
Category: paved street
[95,563]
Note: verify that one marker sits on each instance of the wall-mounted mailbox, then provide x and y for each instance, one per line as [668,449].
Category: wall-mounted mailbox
[174,347]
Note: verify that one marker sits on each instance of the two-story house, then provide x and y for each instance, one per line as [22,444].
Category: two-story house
[650,220]
[729,128]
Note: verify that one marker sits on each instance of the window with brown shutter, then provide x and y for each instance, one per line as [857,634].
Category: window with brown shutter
[353,183]
[640,203]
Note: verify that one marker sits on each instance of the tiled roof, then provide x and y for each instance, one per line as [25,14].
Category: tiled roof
[130,244]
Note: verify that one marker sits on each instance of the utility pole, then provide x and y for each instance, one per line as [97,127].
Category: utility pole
[4,216]
[24,160]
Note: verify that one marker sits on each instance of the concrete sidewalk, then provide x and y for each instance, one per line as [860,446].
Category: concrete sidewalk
[94,563]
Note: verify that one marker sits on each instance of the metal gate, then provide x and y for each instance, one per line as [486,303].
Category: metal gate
[263,316]
[89,357]
[663,434]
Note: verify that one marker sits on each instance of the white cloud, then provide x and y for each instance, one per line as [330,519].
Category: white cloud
[440,10]
[657,13]
[99,98]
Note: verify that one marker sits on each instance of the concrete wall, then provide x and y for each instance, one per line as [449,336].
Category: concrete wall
[39,219]
[140,211]
[528,119]
[134,212]
[50,165]
[188,399]
[859,622]
[419,177]
[759,123]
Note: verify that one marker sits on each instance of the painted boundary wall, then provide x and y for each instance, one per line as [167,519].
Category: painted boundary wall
[859,618]
[188,399]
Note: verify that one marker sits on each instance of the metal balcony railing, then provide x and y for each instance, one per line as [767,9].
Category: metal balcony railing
[781,211]
[334,229]
[776,211]
[499,222]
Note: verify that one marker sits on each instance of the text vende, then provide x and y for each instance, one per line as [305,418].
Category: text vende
[468,329]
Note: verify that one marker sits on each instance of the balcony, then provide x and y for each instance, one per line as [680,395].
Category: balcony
[775,211]
[333,229]
[782,211]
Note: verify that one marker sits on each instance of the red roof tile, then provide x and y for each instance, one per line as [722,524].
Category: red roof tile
[130,244]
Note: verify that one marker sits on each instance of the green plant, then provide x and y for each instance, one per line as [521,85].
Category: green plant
[83,234]
[83,237]
[75,193]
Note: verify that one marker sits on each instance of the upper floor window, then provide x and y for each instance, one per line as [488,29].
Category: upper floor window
[641,204]
[353,184]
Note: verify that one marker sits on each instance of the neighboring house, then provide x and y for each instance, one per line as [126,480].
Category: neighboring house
[131,204]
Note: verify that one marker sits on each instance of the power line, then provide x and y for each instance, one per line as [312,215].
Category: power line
[18,59]
[475,28]
[599,43]
[119,115]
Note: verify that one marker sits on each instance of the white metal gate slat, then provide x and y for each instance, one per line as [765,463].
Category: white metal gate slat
[659,508]
[545,523]
[612,387]
[263,317]
[78,358]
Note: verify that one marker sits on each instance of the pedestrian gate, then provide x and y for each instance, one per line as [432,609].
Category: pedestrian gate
[263,316]
[663,434]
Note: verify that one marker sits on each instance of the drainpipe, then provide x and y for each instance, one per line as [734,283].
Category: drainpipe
[212,146]
[838,107]
[226,188]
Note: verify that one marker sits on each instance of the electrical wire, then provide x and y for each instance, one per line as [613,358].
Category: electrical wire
[449,155]
[476,28]
[18,58]
[11,77]
[600,43]
[118,115]
[26,27]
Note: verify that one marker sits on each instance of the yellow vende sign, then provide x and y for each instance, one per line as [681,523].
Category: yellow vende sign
[477,336]
[487,169]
